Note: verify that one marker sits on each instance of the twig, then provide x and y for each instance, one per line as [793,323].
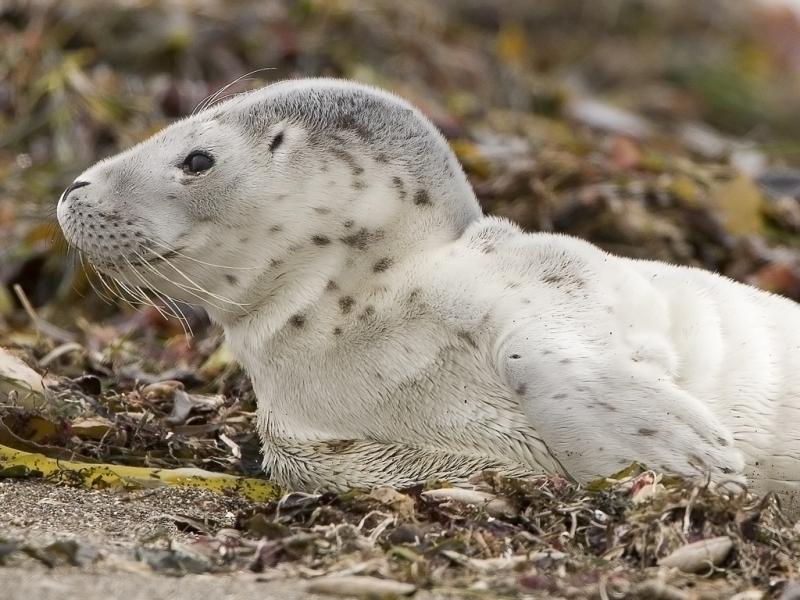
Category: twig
[42,326]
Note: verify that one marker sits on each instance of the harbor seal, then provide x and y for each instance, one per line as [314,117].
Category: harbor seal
[395,334]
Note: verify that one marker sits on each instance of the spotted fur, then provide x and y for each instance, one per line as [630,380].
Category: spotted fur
[394,334]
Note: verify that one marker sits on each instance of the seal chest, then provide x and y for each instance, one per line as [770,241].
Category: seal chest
[394,334]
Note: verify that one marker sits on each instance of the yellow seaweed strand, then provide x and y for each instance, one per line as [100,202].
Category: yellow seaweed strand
[16,463]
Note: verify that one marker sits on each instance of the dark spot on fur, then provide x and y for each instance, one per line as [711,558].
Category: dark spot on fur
[569,282]
[607,406]
[321,240]
[382,158]
[276,228]
[559,396]
[515,356]
[244,239]
[382,265]
[347,158]
[275,263]
[488,248]
[337,331]
[398,184]
[521,389]
[413,294]
[358,184]
[348,122]
[322,210]
[368,312]
[337,446]
[647,432]
[362,238]
[231,279]
[565,361]
[465,335]
[346,304]
[422,198]
[348,224]
[331,286]
[722,441]
[276,142]
[298,321]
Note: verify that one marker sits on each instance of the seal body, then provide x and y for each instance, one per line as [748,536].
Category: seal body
[394,334]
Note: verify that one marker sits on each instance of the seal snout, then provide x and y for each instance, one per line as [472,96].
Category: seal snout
[72,187]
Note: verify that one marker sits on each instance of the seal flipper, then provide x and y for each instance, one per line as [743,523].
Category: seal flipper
[597,413]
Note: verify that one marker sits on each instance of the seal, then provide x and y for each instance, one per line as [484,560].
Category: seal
[394,334]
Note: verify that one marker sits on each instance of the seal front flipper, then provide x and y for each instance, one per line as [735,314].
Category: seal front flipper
[343,464]
[598,412]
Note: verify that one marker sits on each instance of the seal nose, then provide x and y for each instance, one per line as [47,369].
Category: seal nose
[73,186]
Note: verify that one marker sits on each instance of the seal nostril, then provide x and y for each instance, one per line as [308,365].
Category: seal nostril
[73,186]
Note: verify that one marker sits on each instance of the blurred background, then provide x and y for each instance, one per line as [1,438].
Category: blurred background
[665,129]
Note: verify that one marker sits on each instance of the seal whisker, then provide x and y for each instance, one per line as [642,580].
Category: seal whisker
[169,306]
[189,289]
[202,262]
[209,100]
[172,310]
[179,314]
[115,292]
[197,287]
[103,296]
[141,293]
[136,300]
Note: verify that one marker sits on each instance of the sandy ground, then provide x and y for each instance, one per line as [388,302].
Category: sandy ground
[115,523]
[111,520]
[19,583]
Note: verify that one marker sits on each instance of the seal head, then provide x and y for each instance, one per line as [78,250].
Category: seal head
[290,181]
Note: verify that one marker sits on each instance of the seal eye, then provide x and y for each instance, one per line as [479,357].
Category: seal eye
[197,162]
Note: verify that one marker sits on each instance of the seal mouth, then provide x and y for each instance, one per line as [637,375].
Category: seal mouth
[159,257]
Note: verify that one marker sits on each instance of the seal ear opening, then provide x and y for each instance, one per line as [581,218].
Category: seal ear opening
[276,142]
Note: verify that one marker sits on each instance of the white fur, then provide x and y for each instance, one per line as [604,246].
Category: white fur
[394,334]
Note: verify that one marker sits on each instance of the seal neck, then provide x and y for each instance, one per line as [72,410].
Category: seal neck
[355,264]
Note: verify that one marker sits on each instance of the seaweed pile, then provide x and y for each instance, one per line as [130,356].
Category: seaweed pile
[661,130]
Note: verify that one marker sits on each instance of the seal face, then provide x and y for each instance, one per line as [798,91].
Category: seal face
[394,334]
